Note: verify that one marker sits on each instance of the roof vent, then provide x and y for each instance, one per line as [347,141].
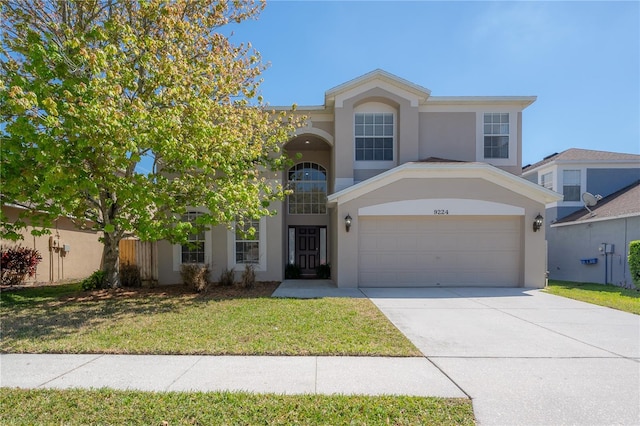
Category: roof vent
[549,156]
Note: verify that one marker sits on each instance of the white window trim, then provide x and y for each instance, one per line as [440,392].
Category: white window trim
[372,108]
[177,248]
[261,266]
[583,185]
[512,160]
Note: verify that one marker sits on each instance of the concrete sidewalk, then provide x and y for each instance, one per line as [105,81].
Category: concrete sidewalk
[264,374]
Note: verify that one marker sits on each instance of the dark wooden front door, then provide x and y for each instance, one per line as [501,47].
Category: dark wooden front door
[308,249]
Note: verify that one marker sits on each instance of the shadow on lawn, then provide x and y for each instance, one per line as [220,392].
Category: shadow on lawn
[45,316]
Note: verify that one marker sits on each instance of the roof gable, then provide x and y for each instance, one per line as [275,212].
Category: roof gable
[451,171]
[377,78]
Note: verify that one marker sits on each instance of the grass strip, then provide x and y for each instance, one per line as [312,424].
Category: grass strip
[105,406]
[611,296]
[71,321]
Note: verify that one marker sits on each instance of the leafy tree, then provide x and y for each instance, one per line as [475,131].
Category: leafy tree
[90,88]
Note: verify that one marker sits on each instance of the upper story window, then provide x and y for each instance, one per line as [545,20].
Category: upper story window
[193,251]
[496,135]
[571,185]
[546,180]
[308,181]
[374,136]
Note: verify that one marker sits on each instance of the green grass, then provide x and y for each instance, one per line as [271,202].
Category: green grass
[62,319]
[598,294]
[70,407]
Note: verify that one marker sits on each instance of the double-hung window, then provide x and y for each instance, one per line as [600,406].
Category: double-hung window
[571,185]
[247,243]
[193,250]
[374,136]
[496,135]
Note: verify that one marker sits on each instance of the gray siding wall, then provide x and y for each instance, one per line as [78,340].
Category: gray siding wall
[533,177]
[363,174]
[608,181]
[567,245]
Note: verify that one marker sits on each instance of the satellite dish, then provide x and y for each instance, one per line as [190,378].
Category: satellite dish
[590,200]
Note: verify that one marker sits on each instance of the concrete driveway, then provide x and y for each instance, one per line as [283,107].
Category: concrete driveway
[525,357]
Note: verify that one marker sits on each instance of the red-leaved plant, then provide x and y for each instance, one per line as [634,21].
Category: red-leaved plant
[18,263]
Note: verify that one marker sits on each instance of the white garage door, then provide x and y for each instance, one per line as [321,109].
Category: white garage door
[409,251]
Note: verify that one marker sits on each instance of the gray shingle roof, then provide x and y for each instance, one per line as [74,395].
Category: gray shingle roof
[577,154]
[624,202]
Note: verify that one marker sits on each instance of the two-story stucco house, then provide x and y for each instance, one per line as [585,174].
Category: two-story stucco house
[590,244]
[395,187]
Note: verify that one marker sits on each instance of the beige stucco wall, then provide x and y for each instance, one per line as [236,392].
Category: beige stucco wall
[449,135]
[533,244]
[83,258]
[218,251]
[407,130]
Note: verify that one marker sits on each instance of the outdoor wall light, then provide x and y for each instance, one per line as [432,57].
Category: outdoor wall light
[347,222]
[537,223]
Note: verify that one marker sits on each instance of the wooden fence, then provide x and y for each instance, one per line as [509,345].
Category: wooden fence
[143,254]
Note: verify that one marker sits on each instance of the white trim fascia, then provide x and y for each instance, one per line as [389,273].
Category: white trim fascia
[414,99]
[405,85]
[596,219]
[442,207]
[449,171]
[475,103]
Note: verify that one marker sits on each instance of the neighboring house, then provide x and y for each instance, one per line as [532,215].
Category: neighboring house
[578,235]
[592,246]
[576,171]
[68,253]
[395,187]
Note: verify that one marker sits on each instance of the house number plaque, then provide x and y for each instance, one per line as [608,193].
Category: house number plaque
[440,211]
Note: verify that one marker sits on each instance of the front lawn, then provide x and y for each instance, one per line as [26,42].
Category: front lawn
[63,319]
[604,295]
[69,407]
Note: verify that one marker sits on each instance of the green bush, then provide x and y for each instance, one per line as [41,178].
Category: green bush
[292,271]
[634,262]
[195,276]
[94,281]
[17,264]
[248,278]
[130,276]
[227,278]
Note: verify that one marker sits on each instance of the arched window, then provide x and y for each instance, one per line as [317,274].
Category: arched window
[309,184]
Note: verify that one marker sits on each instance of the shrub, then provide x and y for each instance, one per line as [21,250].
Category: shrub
[323,271]
[292,271]
[130,276]
[634,262]
[94,281]
[248,278]
[195,276]
[18,263]
[227,277]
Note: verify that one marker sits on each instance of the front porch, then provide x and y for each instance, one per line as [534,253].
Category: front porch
[314,289]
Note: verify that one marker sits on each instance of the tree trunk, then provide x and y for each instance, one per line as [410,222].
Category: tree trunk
[111,260]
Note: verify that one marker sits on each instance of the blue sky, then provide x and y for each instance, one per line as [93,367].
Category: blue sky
[581,59]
